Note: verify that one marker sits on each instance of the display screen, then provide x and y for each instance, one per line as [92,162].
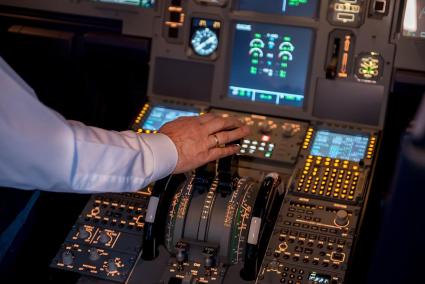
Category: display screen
[414,19]
[140,3]
[316,278]
[270,63]
[158,116]
[298,8]
[339,146]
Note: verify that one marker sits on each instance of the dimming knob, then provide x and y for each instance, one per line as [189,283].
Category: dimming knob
[341,218]
[290,129]
[93,254]
[82,233]
[67,257]
[104,238]
[111,265]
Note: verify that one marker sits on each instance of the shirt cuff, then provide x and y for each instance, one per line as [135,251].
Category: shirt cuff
[164,153]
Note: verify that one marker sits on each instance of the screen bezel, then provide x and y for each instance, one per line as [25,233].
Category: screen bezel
[401,25]
[316,16]
[123,5]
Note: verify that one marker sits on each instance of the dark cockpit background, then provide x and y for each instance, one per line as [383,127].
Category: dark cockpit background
[91,62]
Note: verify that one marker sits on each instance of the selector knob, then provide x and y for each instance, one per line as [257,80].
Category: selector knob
[67,257]
[290,129]
[82,233]
[93,254]
[111,265]
[104,238]
[341,218]
[265,129]
[181,255]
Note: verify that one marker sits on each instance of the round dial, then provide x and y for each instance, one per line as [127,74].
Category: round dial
[204,42]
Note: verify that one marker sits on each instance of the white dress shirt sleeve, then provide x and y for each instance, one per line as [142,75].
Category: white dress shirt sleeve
[39,149]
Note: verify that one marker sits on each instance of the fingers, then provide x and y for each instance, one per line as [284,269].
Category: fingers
[220,123]
[225,137]
[218,153]
[205,118]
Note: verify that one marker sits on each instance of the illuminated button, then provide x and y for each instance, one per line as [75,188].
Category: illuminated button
[251,151]
[342,195]
[355,168]
[246,141]
[268,154]
[350,197]
[334,170]
[263,144]
[308,164]
[242,151]
[328,193]
[254,142]
[265,138]
[335,194]
[244,146]
[321,192]
[252,147]
[261,148]
[271,145]
[344,192]
[310,156]
[327,163]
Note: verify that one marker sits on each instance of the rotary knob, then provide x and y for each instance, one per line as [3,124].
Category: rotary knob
[67,257]
[111,266]
[265,128]
[104,237]
[94,254]
[82,233]
[341,218]
[290,129]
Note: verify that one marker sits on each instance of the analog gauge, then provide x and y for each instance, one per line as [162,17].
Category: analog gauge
[204,41]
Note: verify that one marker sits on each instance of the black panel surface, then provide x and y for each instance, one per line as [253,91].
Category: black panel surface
[183,79]
[348,101]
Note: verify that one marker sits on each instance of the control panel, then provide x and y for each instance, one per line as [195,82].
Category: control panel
[311,79]
[106,240]
[271,138]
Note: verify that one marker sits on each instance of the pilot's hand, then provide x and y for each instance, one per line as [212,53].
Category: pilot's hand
[197,139]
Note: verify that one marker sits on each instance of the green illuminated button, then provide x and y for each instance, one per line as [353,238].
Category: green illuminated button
[268,154]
